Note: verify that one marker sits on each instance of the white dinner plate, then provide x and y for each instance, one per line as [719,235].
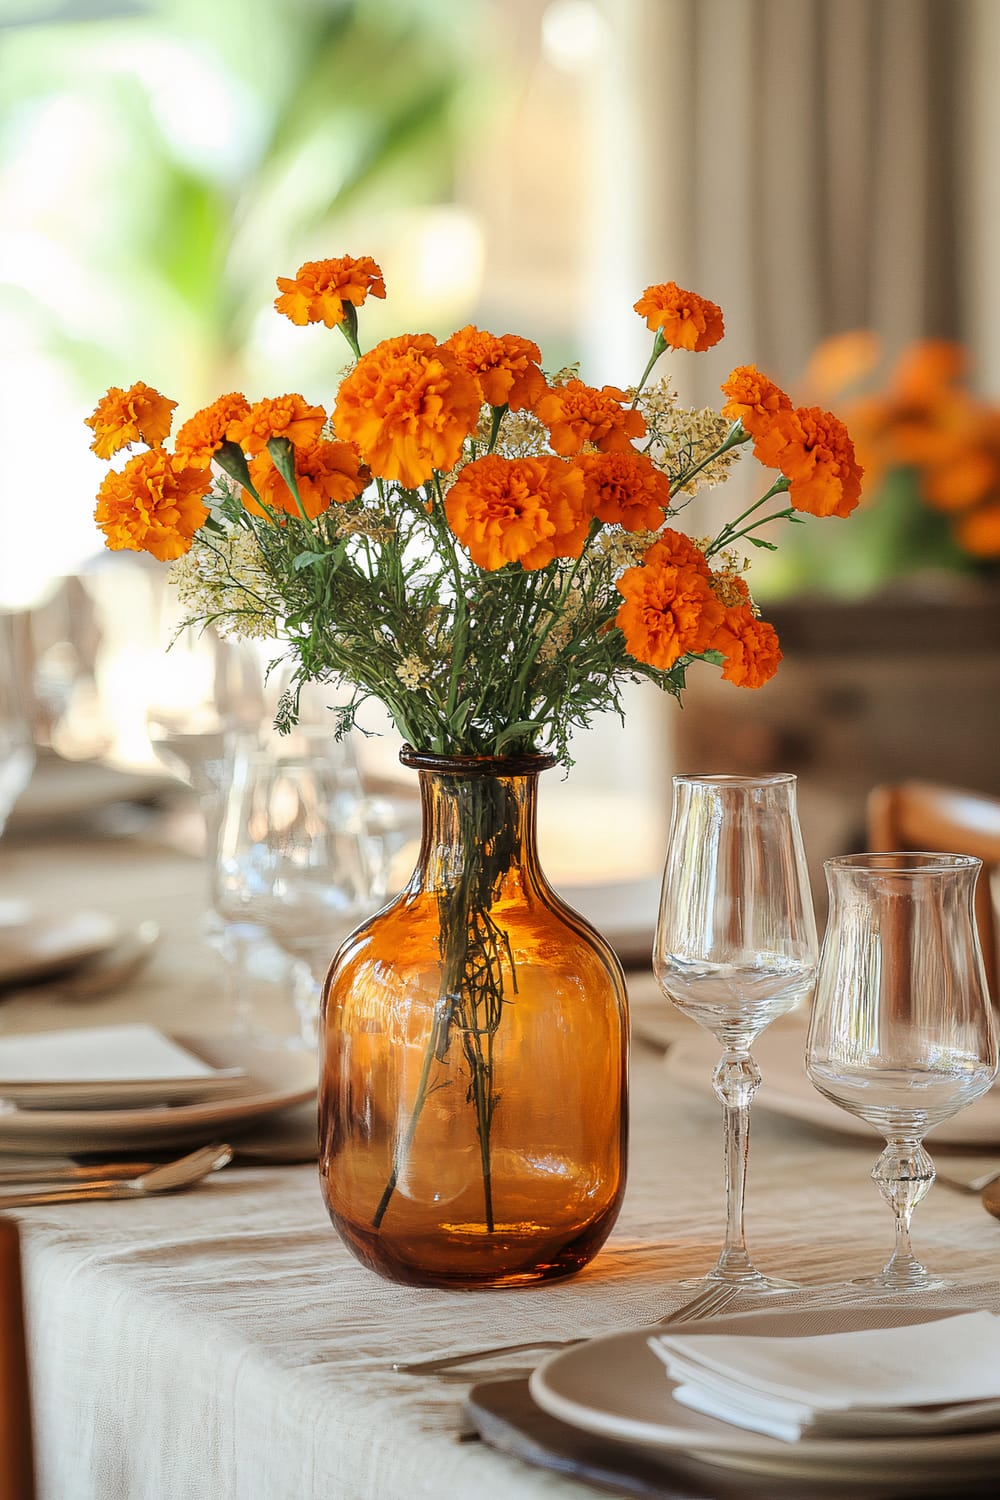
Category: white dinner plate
[617,1387]
[274,1080]
[786,1090]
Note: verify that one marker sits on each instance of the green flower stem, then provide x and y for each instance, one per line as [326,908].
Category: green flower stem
[498,414]
[532,655]
[778,515]
[734,438]
[729,532]
[659,344]
[349,328]
[461,610]
[475,952]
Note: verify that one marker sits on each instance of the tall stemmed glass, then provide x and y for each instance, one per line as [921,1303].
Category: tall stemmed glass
[902,1032]
[735,948]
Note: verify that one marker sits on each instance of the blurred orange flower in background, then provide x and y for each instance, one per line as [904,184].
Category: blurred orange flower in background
[923,424]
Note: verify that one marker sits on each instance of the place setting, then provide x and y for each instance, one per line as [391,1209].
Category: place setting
[130,1087]
[890,1379]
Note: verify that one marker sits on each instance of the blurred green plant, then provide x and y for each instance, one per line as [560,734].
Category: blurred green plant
[165,156]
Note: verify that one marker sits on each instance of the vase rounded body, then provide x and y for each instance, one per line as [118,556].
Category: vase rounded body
[474,1055]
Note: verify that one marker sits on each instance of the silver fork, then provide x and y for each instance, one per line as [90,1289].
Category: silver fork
[168,1178]
[712,1299]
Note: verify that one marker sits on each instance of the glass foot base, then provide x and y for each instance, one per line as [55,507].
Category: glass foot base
[890,1286]
[752,1284]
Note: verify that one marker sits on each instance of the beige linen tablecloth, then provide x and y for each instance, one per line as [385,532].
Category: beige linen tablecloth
[223,1344]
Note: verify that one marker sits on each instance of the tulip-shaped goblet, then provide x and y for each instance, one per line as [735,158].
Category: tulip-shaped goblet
[902,1032]
[735,948]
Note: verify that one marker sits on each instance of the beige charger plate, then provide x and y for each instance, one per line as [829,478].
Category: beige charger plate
[617,1388]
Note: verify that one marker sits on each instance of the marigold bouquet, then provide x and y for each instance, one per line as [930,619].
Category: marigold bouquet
[483,547]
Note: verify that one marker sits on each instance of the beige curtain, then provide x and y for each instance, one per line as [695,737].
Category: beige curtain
[806,164]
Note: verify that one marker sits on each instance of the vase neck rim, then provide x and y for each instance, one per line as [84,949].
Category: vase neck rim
[468,766]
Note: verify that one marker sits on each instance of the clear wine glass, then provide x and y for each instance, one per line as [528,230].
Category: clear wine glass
[902,1031]
[735,948]
[295,855]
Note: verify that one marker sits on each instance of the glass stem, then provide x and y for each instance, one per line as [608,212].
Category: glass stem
[736,1080]
[904,1174]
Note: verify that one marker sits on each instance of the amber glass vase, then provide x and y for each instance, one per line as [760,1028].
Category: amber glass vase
[474,1052]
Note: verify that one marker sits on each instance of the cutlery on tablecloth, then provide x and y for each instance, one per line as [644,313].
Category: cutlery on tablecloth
[168,1178]
[111,970]
[712,1299]
[967,1184]
[97,1168]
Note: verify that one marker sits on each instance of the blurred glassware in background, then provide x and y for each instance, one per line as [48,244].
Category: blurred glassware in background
[203,692]
[295,860]
[17,750]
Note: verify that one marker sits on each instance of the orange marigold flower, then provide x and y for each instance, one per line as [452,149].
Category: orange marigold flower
[408,406]
[319,289]
[289,417]
[202,435]
[927,368]
[328,473]
[750,647]
[122,418]
[625,489]
[979,531]
[676,548]
[153,505]
[526,510]
[576,414]
[685,320]
[669,611]
[753,399]
[813,449]
[506,365]
[961,479]
[840,362]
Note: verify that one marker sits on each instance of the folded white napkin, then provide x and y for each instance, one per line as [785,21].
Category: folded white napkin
[931,1377]
[103,1066]
[97,1052]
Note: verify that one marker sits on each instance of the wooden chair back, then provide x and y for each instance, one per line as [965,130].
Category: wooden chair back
[16,1458]
[945,820]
